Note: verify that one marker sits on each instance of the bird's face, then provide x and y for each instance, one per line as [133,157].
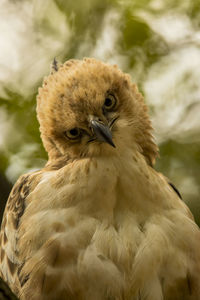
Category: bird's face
[88,108]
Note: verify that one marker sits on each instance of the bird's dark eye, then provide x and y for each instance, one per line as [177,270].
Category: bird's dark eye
[110,102]
[73,133]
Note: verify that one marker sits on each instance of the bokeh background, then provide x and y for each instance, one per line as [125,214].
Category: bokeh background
[156,41]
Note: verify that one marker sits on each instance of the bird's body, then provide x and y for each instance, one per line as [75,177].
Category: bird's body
[98,222]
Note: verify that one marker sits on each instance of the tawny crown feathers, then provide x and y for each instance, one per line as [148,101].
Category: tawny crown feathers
[76,92]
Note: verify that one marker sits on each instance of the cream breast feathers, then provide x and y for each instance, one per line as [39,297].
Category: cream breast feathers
[97,222]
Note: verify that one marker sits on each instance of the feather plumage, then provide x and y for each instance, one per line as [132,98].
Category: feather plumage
[97,222]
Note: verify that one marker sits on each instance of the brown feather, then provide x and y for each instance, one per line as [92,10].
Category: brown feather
[97,222]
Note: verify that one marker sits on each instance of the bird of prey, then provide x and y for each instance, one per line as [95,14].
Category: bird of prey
[97,222]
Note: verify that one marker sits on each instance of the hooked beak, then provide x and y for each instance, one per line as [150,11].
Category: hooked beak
[102,132]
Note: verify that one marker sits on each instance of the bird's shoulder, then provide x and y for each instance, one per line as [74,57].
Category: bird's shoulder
[14,210]
[16,201]
[23,187]
[170,184]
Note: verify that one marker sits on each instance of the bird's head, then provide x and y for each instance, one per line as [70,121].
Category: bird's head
[88,108]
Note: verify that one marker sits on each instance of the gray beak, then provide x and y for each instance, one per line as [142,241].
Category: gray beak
[102,132]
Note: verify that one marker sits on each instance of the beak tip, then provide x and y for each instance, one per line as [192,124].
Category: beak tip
[112,144]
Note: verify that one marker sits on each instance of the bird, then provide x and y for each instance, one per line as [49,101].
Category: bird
[98,222]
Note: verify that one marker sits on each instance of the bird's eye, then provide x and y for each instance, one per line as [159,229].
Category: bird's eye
[73,133]
[110,102]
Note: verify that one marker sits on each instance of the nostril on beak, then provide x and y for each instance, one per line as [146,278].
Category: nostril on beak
[100,120]
[96,118]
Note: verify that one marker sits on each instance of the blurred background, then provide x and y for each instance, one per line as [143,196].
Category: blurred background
[156,41]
